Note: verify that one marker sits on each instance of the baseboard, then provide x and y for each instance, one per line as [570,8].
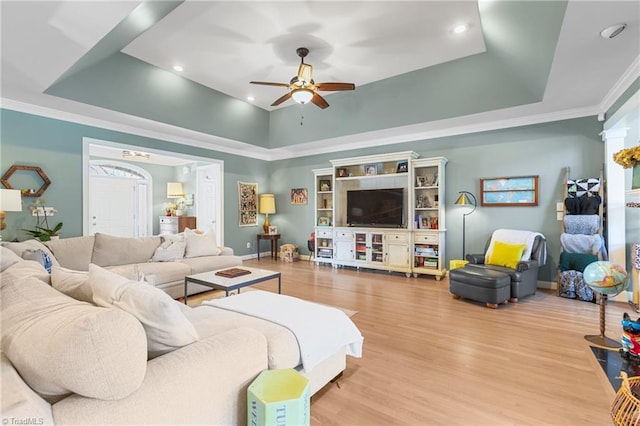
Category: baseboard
[548,285]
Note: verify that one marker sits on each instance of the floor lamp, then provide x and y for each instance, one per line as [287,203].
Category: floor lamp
[466,199]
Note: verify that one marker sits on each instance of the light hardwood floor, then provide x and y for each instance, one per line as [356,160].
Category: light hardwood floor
[431,360]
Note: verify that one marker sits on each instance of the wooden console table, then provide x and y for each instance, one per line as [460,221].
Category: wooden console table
[273,238]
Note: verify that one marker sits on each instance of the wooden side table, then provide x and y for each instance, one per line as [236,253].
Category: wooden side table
[273,238]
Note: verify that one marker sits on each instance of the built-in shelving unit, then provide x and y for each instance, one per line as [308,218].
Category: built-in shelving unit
[414,246]
[323,215]
[428,216]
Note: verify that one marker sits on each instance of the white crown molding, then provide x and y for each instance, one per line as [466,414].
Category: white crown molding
[628,77]
[165,132]
[481,122]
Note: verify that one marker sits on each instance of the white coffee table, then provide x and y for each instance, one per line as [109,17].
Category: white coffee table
[217,282]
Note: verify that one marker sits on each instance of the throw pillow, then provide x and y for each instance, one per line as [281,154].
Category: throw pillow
[164,323]
[504,254]
[170,249]
[39,256]
[201,244]
[61,346]
[7,258]
[74,284]
[33,244]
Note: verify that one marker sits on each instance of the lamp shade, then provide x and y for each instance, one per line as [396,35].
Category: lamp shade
[302,96]
[10,200]
[267,203]
[463,200]
[174,190]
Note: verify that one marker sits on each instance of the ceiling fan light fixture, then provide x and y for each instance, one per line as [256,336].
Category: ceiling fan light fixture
[302,96]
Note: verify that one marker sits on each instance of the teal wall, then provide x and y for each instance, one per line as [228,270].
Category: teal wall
[56,147]
[543,150]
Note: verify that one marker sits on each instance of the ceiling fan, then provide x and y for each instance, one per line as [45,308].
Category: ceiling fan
[302,88]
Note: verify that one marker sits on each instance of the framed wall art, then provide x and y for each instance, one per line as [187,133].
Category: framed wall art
[517,191]
[298,196]
[247,204]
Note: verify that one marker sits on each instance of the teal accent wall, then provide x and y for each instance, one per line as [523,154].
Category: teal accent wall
[544,150]
[56,147]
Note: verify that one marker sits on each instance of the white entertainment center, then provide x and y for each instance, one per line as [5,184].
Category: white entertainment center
[382,212]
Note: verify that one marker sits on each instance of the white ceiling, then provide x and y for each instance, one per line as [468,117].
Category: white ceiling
[226,44]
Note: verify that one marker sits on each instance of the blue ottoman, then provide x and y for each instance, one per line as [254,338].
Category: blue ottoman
[481,285]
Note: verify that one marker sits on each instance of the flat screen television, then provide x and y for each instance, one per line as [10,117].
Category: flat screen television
[382,208]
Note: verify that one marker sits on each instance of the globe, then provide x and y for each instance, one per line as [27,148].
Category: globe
[605,277]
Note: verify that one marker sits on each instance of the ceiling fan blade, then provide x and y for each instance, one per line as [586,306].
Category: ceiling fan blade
[335,87]
[282,98]
[266,83]
[305,72]
[319,101]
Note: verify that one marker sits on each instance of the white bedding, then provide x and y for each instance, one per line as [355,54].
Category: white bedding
[320,330]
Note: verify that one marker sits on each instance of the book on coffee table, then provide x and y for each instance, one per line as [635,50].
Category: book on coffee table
[233,272]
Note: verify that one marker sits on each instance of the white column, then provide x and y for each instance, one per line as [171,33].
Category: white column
[615,202]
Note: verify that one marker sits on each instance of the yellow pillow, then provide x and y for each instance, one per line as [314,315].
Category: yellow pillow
[504,254]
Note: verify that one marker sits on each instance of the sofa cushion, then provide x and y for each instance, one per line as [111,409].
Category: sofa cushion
[201,244]
[154,273]
[283,349]
[74,284]
[165,325]
[60,345]
[210,263]
[33,244]
[504,254]
[7,258]
[19,401]
[73,253]
[110,250]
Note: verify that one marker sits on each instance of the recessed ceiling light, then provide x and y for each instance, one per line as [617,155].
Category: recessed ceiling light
[251,98]
[459,29]
[612,31]
[178,68]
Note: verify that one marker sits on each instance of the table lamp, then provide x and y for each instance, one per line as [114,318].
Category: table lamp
[267,206]
[466,199]
[10,201]
[174,190]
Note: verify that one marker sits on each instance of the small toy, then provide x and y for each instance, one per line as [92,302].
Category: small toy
[630,338]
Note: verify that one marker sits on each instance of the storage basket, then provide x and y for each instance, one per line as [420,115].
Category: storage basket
[625,409]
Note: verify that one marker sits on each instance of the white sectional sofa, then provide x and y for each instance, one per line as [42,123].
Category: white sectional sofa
[69,361]
[138,257]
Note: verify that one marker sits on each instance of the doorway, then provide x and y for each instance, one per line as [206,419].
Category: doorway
[208,195]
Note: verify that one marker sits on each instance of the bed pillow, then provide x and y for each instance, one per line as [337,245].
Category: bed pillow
[200,244]
[504,254]
[164,323]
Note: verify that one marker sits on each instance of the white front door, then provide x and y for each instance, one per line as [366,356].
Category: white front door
[112,206]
